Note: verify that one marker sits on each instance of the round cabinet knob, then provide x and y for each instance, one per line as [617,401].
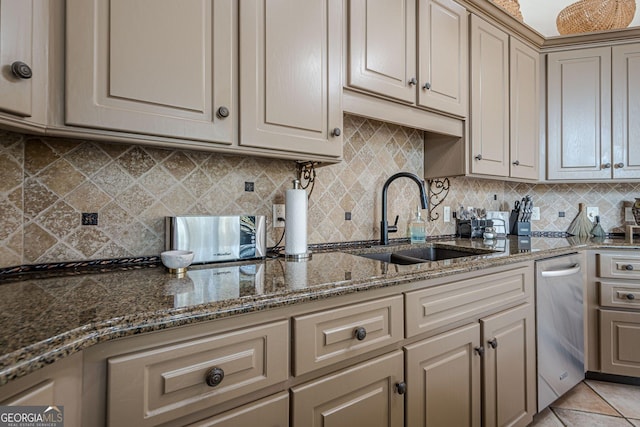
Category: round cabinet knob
[223,112]
[478,157]
[493,343]
[427,86]
[401,388]
[516,163]
[21,70]
[631,296]
[413,81]
[479,350]
[214,377]
[606,166]
[619,165]
[360,333]
[628,267]
[336,132]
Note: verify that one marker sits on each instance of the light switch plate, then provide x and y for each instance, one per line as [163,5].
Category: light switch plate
[446,213]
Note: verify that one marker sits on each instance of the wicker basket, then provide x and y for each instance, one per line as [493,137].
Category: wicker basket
[586,16]
[512,7]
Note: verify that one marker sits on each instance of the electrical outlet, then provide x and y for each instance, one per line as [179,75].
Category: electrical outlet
[278,212]
[446,213]
[592,212]
[535,213]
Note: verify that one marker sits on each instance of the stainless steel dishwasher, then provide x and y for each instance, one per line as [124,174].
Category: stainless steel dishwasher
[560,326]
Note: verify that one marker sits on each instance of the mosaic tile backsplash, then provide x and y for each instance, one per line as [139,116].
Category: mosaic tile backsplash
[47,183]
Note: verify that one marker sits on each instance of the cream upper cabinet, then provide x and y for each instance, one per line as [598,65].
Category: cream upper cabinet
[23,62]
[524,94]
[422,65]
[290,85]
[489,148]
[579,114]
[382,48]
[626,111]
[153,67]
[443,56]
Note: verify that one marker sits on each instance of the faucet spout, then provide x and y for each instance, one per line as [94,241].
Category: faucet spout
[385,228]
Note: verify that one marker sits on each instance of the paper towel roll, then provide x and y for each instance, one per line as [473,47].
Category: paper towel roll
[295,242]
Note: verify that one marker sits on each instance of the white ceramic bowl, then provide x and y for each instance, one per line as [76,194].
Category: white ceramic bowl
[177,261]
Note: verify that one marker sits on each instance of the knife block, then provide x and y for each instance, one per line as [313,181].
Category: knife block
[520,228]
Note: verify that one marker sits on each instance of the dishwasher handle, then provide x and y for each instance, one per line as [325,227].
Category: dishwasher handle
[561,273]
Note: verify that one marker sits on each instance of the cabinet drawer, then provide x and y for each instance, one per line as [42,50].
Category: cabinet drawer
[619,295]
[619,338]
[158,385]
[330,336]
[442,305]
[619,266]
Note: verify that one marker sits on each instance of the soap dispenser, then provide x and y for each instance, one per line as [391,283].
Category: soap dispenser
[418,228]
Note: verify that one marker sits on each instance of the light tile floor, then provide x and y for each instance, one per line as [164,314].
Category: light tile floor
[594,403]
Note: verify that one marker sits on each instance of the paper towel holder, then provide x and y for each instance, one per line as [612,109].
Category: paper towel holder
[300,256]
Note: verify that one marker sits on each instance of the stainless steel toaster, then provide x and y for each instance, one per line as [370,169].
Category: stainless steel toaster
[217,238]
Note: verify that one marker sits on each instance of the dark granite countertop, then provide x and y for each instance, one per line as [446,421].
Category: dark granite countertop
[47,318]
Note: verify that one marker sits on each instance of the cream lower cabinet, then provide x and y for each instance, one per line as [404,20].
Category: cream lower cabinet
[482,372]
[290,81]
[614,309]
[58,384]
[369,394]
[505,120]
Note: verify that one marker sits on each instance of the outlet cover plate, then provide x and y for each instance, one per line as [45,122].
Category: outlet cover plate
[593,212]
[278,212]
[535,213]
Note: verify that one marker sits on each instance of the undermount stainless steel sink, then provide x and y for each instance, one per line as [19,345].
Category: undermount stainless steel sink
[424,254]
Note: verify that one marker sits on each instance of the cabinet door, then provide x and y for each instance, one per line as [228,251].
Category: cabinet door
[626,111]
[16,45]
[525,110]
[364,395]
[290,88]
[382,47]
[579,114]
[156,67]
[443,379]
[619,338]
[509,367]
[489,99]
[443,50]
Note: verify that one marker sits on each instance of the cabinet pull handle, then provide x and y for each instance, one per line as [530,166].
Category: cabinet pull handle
[628,267]
[619,165]
[493,343]
[214,377]
[479,350]
[516,163]
[223,112]
[336,132]
[606,166]
[413,81]
[360,333]
[401,388]
[427,86]
[21,70]
[478,157]
[631,296]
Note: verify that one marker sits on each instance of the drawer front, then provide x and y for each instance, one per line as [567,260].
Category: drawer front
[330,336]
[619,338]
[442,305]
[158,385]
[619,266]
[620,295]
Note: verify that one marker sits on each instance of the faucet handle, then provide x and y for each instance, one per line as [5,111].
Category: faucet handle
[394,228]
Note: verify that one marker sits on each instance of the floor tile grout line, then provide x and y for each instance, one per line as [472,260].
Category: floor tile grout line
[603,398]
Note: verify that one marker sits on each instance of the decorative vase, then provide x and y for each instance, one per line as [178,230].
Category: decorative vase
[636,211]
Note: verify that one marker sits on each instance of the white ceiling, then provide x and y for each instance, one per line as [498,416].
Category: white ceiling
[541,15]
